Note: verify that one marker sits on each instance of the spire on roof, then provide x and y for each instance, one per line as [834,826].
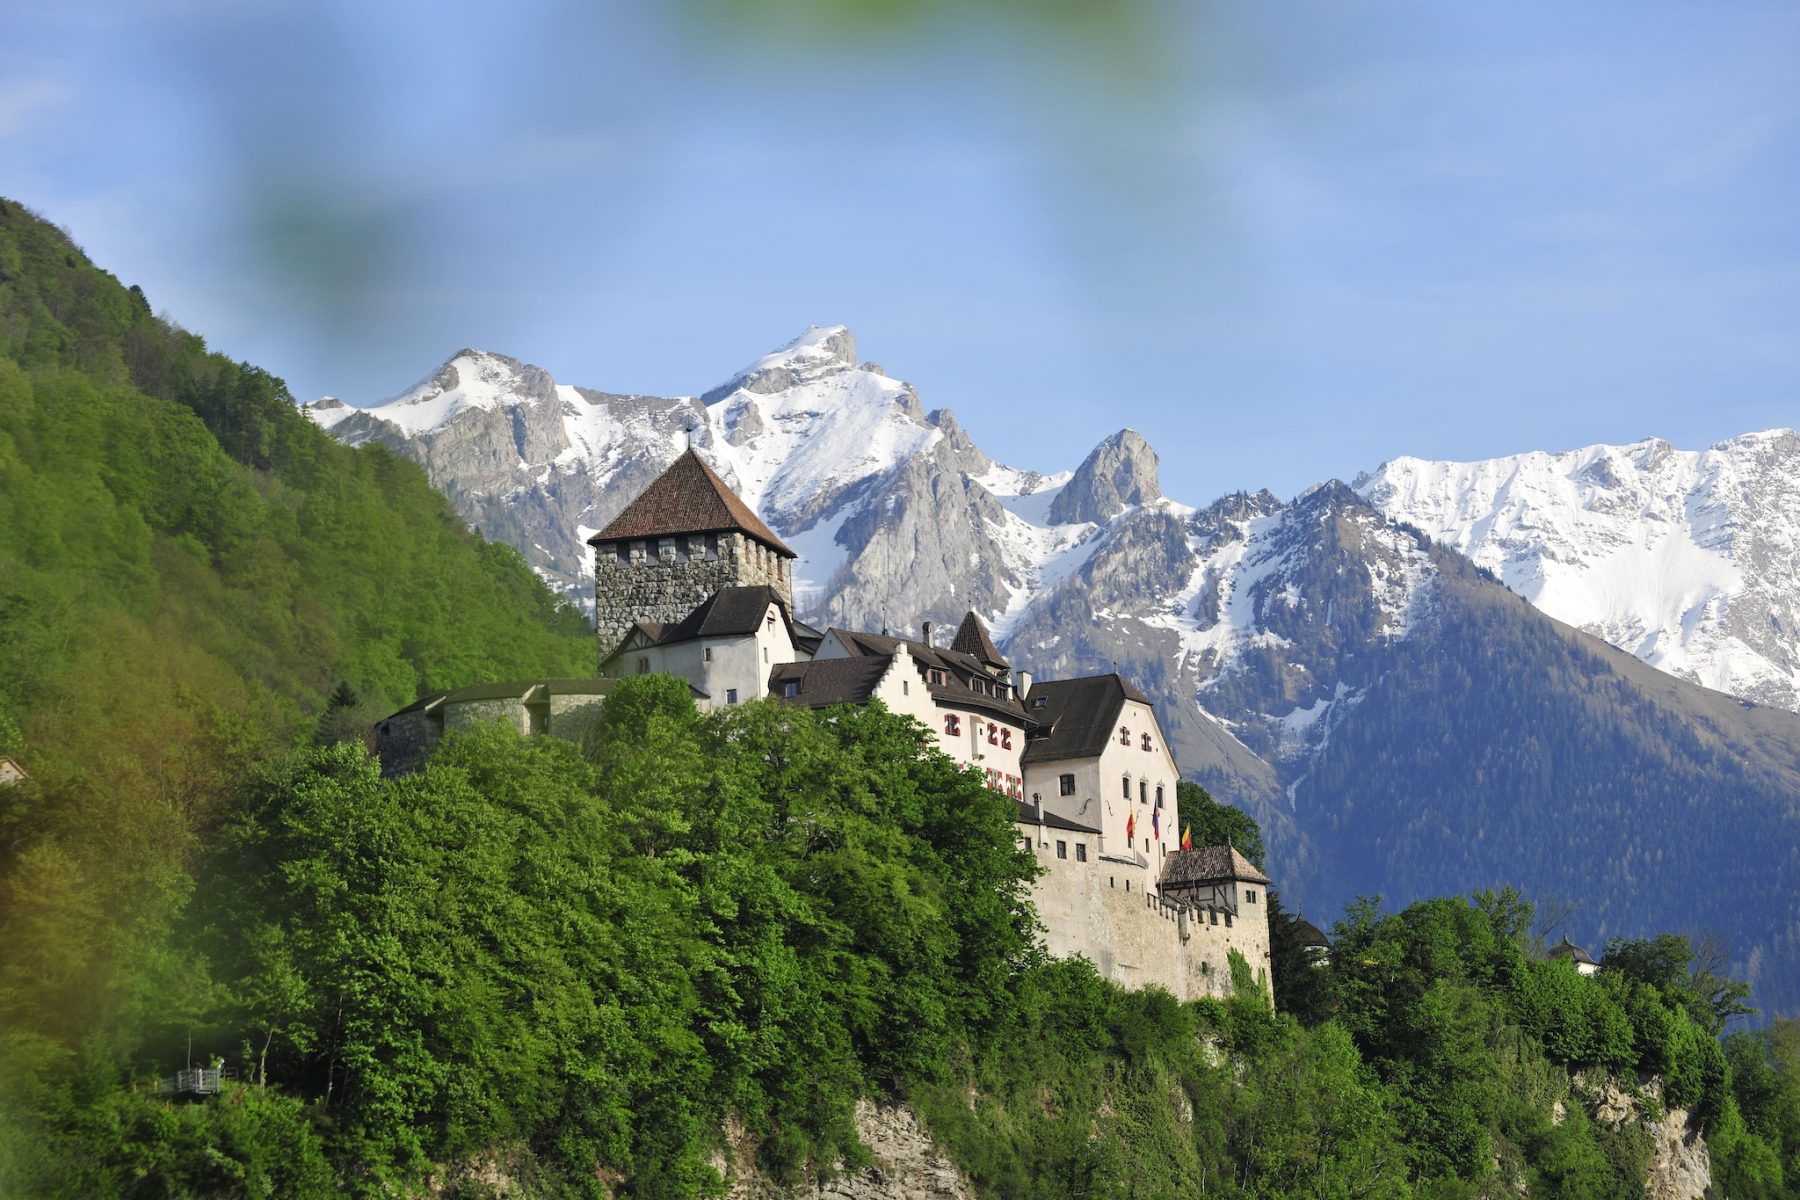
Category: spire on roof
[689,497]
[972,639]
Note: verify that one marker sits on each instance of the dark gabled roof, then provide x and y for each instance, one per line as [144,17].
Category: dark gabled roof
[1028,815]
[959,669]
[1568,949]
[806,637]
[1080,714]
[728,612]
[512,689]
[1210,864]
[972,639]
[829,680]
[689,497]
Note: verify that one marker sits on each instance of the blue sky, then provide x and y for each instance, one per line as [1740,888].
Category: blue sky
[1285,241]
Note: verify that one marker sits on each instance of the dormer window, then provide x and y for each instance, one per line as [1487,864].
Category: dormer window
[1000,690]
[1040,702]
[790,689]
[935,677]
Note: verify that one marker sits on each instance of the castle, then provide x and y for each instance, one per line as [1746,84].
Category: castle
[689,582]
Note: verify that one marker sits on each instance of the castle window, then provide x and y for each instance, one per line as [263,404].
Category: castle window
[708,654]
[791,688]
[1143,792]
[1128,885]
[1027,845]
[1080,851]
[1127,787]
[769,622]
[975,685]
[1066,784]
[1228,919]
[665,549]
[1146,741]
[952,725]
[1159,802]
[1124,736]
[1040,702]
[1062,848]
[1000,690]
[1249,897]
[643,666]
[731,695]
[1215,916]
[905,688]
[765,655]
[935,676]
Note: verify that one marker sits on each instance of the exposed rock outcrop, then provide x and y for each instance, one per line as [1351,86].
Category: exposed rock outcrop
[1119,473]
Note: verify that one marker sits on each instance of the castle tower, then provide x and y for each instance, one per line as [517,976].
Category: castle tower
[685,536]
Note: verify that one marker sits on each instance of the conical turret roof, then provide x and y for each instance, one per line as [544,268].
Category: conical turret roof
[972,639]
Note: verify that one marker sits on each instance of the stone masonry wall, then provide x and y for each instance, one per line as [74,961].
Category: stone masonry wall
[645,580]
[1110,913]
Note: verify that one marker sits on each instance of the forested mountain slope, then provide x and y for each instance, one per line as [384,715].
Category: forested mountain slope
[189,572]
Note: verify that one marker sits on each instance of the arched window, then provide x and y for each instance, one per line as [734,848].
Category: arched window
[1127,783]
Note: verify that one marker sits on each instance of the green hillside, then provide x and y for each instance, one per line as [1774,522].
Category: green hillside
[540,969]
[189,572]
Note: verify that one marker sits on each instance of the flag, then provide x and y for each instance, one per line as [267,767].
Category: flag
[1187,838]
[1156,824]
[1130,826]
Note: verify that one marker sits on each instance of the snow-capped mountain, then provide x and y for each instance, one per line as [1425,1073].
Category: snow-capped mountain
[1394,718]
[900,518]
[1689,559]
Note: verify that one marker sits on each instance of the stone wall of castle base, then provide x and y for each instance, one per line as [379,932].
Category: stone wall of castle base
[1108,911]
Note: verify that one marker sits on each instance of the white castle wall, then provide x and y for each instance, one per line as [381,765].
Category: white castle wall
[1108,911]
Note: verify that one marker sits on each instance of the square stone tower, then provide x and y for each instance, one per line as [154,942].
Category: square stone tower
[685,536]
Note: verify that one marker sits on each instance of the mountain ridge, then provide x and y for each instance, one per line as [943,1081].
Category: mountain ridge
[1273,635]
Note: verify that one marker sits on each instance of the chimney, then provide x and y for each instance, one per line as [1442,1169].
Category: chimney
[1037,807]
[925,633]
[1024,678]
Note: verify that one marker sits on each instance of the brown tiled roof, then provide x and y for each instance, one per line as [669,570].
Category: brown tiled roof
[972,639]
[1081,714]
[826,681]
[689,497]
[1210,864]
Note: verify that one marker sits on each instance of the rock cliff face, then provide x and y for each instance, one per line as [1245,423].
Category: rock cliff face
[1296,650]
[1680,1166]
[907,1164]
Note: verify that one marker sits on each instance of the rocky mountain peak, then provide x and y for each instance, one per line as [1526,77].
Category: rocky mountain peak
[1120,473]
[815,354]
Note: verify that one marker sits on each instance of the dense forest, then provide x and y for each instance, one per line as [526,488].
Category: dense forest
[574,967]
